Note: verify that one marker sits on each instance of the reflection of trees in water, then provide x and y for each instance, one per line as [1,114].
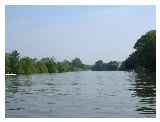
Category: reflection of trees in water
[145,84]
[144,87]
[14,82]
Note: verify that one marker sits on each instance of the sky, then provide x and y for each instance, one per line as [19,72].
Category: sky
[89,32]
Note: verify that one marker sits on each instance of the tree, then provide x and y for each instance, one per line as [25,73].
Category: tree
[98,65]
[122,66]
[131,62]
[65,66]
[50,64]
[14,58]
[41,67]
[77,64]
[144,56]
[146,51]
[110,66]
[7,63]
[26,66]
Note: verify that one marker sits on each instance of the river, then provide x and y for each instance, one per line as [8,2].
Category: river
[107,94]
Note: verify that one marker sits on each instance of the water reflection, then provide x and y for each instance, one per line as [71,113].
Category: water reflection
[144,87]
[81,94]
[13,84]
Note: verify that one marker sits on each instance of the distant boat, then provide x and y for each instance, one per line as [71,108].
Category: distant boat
[10,74]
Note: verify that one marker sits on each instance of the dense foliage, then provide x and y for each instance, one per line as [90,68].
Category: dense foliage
[11,61]
[144,57]
[101,66]
[26,65]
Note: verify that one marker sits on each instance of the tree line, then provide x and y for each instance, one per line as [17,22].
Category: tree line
[26,65]
[144,56]
[142,59]
[16,64]
[101,66]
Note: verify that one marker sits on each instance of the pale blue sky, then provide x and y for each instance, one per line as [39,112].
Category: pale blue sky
[87,32]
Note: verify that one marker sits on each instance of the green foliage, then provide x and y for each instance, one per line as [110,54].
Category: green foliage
[7,63]
[144,57]
[27,65]
[50,64]
[131,62]
[77,65]
[112,65]
[77,62]
[14,58]
[11,62]
[146,51]
[41,67]
[122,66]
[101,66]
[64,66]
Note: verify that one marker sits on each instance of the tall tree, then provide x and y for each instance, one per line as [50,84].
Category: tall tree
[50,64]
[7,63]
[14,58]
[146,51]
[41,67]
[144,57]
[77,64]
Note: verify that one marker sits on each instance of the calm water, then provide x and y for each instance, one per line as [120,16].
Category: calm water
[81,94]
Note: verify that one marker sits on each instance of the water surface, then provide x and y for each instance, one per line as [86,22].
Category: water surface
[81,94]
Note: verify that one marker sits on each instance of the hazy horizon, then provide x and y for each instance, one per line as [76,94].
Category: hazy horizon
[88,32]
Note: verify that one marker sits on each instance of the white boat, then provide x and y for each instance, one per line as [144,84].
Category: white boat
[10,74]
